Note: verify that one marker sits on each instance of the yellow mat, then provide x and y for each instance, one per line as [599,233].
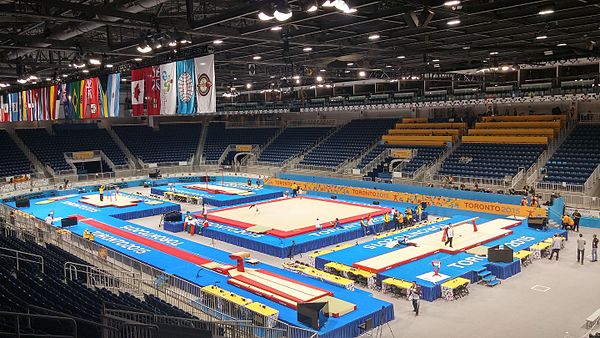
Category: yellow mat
[258,229]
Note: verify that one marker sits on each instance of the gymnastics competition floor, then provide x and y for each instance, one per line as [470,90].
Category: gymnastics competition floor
[199,263]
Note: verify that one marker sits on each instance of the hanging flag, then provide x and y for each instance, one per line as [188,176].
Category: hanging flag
[112,94]
[206,95]
[152,81]
[168,94]
[102,87]
[53,102]
[90,102]
[185,87]
[75,100]
[13,103]
[4,110]
[137,92]
[65,94]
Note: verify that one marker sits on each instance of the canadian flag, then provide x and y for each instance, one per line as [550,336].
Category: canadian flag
[137,92]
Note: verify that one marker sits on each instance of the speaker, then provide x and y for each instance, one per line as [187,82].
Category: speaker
[312,314]
[375,202]
[22,203]
[537,222]
[333,197]
[68,221]
[173,217]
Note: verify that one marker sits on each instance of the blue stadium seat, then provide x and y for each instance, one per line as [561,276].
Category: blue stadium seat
[171,143]
[219,138]
[12,160]
[292,142]
[577,157]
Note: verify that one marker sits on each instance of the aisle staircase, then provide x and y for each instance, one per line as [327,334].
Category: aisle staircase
[487,278]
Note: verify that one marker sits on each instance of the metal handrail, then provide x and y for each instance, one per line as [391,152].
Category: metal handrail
[23,253]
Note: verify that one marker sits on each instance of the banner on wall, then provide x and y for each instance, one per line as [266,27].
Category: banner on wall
[438,201]
[168,93]
[137,92]
[90,101]
[402,153]
[185,87]
[83,155]
[206,94]
[243,147]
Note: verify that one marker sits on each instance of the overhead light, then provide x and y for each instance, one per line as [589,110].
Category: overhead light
[346,71]
[282,11]
[138,59]
[109,65]
[541,37]
[65,75]
[282,16]
[362,73]
[505,68]
[307,49]
[493,53]
[85,71]
[95,61]
[297,81]
[435,60]
[144,48]
[22,81]
[185,41]
[319,79]
[452,3]
[329,3]
[400,57]
[374,36]
[311,6]
[248,85]
[123,79]
[322,70]
[561,44]
[545,10]
[264,17]
[217,42]
[466,47]
[453,22]
[48,79]
[256,57]
[276,28]
[437,65]
[77,63]
[548,52]
[296,77]
[350,64]
[32,77]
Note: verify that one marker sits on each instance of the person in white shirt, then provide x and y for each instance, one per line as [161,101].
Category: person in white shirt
[556,244]
[318,225]
[371,224]
[414,294]
[49,219]
[580,249]
[449,235]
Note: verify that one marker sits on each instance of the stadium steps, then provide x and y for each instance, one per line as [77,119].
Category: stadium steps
[200,150]
[266,145]
[486,278]
[354,163]
[39,167]
[294,161]
[133,162]
[547,155]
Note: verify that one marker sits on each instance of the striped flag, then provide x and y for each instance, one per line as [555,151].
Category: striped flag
[113,88]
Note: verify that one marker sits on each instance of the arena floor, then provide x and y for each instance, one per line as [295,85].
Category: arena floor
[293,216]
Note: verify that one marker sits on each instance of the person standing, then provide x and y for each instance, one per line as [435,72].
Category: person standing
[363,225]
[204,226]
[449,235]
[580,249]
[414,294]
[386,221]
[576,218]
[595,248]
[318,225]
[556,244]
[294,189]
[524,201]
[101,191]
[371,224]
[396,220]
[400,220]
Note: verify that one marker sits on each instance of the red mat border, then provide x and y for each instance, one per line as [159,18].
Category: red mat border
[300,231]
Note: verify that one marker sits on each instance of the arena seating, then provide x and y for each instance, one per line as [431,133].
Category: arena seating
[29,286]
[424,155]
[219,138]
[347,143]
[490,160]
[12,160]
[50,149]
[577,157]
[171,143]
[292,142]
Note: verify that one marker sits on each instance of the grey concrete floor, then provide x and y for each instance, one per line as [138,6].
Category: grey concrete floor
[509,310]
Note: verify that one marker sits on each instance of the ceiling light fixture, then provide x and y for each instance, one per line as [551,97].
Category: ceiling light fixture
[109,65]
[256,57]
[350,64]
[138,59]
[319,79]
[374,36]
[307,49]
[453,22]
[95,61]
[400,57]
[362,73]
[541,37]
[144,48]
[276,28]
[451,3]
[493,53]
[561,44]
[264,17]
[282,16]
[435,60]
[85,71]
[545,10]
[248,85]
[217,42]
